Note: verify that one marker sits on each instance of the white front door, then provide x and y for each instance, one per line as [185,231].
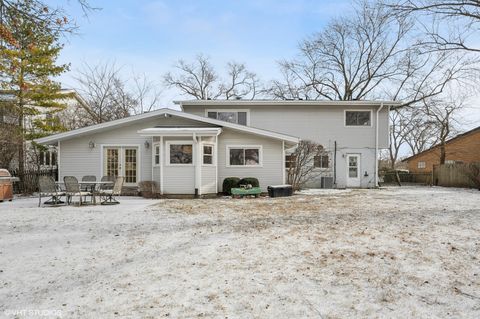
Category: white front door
[353,170]
[121,161]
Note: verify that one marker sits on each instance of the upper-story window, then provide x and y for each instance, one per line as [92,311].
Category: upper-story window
[232,116]
[358,118]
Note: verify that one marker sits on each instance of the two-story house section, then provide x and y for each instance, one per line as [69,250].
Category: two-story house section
[347,130]
[192,151]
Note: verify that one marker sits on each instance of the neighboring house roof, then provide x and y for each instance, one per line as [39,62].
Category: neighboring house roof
[283,103]
[459,136]
[128,120]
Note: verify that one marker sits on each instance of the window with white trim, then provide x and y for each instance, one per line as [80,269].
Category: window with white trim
[156,154]
[421,165]
[47,158]
[320,161]
[358,118]
[180,153]
[244,155]
[232,116]
[207,154]
[290,161]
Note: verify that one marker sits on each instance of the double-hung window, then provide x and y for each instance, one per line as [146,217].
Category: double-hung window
[290,161]
[320,161]
[358,118]
[249,156]
[421,165]
[156,154]
[207,154]
[232,116]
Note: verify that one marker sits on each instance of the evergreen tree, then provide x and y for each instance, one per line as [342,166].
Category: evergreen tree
[28,65]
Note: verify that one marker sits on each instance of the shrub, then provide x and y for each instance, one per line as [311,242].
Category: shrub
[229,183]
[249,180]
[148,189]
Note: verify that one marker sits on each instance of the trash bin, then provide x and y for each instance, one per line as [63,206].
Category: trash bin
[6,185]
[280,190]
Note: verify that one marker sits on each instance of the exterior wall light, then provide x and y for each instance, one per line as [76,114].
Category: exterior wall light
[91,144]
[147,145]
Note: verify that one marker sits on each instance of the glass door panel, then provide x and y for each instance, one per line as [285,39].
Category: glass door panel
[130,165]
[112,162]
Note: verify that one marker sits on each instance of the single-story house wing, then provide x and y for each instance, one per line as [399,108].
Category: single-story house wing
[184,153]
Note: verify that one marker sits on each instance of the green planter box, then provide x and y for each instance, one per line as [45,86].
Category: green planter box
[243,191]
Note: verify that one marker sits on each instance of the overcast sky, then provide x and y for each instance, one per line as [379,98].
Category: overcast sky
[149,36]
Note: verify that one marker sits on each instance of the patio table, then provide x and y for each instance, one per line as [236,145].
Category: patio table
[93,187]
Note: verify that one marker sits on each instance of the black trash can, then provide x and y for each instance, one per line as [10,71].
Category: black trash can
[280,190]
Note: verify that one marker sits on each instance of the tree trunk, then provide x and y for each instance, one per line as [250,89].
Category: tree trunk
[442,153]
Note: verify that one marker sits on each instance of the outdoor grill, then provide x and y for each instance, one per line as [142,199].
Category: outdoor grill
[6,185]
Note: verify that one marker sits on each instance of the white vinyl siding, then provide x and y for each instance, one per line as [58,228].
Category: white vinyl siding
[77,159]
[271,171]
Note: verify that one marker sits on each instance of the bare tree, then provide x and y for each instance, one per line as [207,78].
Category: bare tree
[400,129]
[447,24]
[145,93]
[442,113]
[200,80]
[423,132]
[110,97]
[367,56]
[99,85]
[300,168]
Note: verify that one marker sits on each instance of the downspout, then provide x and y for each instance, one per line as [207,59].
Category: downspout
[376,145]
[161,164]
[283,163]
[198,167]
[335,164]
[216,161]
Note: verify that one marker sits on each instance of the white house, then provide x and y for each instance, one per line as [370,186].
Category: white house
[194,150]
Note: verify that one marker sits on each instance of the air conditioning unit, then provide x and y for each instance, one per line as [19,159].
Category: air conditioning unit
[326,182]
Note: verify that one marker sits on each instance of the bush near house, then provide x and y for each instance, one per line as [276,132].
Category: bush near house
[148,189]
[229,183]
[249,180]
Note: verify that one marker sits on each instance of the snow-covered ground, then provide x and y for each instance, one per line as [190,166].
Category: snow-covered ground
[394,252]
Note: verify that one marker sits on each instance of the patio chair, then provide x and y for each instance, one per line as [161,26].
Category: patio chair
[88,178]
[107,179]
[72,188]
[89,187]
[47,188]
[109,194]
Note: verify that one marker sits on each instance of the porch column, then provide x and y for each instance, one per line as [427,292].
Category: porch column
[198,163]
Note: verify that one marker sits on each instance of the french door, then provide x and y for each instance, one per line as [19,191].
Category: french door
[353,170]
[121,161]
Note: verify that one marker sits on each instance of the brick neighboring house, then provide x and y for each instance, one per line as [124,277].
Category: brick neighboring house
[463,148]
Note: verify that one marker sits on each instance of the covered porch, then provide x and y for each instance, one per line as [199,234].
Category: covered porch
[184,159]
